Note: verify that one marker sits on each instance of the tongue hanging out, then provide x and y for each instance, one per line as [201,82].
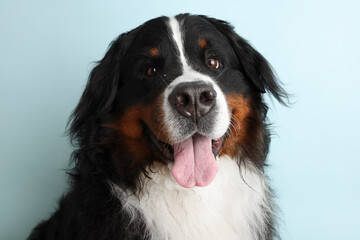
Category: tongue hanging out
[194,162]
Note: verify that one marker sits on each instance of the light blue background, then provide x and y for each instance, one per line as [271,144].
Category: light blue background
[46,52]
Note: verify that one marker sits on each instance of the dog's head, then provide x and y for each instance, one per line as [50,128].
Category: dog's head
[179,91]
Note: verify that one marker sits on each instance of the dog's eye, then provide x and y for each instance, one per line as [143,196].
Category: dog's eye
[213,63]
[151,71]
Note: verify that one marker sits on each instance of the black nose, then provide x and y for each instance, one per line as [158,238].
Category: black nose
[193,99]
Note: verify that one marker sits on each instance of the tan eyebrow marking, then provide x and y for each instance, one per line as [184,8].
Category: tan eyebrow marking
[154,51]
[202,43]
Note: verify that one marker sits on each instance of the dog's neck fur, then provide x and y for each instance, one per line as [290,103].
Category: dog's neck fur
[235,205]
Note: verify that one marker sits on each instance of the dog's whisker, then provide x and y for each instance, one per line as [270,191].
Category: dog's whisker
[150,153]
[220,74]
[163,80]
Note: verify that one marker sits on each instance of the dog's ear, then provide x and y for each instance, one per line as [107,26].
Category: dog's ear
[252,63]
[102,87]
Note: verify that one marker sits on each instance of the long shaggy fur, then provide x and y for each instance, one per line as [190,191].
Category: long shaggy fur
[121,186]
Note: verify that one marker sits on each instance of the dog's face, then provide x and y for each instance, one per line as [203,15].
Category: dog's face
[179,91]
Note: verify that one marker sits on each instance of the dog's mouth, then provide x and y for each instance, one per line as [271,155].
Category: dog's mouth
[167,150]
[193,158]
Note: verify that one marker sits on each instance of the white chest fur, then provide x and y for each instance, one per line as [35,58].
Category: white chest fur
[231,207]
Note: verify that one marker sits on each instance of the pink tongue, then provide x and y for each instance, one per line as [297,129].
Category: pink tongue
[194,162]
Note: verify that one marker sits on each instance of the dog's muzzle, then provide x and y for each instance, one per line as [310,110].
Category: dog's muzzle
[194,106]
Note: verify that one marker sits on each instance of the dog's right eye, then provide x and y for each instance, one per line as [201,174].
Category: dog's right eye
[213,63]
[151,71]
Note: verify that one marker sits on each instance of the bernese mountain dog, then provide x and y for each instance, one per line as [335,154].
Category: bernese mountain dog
[171,138]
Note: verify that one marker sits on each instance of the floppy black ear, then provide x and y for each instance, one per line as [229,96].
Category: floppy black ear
[252,63]
[101,89]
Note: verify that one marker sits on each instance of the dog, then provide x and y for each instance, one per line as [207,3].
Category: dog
[171,139]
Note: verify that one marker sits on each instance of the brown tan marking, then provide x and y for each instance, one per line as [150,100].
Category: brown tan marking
[129,127]
[126,136]
[240,110]
[154,51]
[246,139]
[202,43]
[246,136]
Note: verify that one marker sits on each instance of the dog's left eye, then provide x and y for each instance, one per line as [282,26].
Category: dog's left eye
[213,63]
[151,71]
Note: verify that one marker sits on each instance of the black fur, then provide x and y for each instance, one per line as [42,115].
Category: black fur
[90,210]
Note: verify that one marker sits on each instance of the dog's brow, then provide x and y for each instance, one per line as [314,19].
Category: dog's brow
[154,51]
[202,43]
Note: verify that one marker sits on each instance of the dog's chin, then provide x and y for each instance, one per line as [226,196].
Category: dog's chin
[166,150]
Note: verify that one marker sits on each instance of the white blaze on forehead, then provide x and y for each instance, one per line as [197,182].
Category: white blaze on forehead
[222,118]
[177,36]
